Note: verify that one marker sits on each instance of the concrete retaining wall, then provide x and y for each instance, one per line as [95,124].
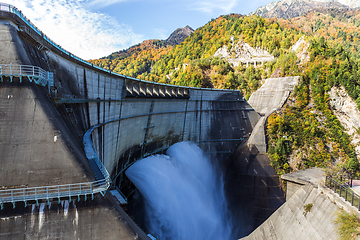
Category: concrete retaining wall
[91,219]
[253,187]
[309,212]
[291,221]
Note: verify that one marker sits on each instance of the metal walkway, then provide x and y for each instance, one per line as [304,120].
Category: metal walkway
[67,190]
[33,73]
[51,192]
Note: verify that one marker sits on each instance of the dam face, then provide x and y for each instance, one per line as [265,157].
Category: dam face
[41,131]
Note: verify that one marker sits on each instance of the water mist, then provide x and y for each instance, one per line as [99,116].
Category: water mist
[183,194]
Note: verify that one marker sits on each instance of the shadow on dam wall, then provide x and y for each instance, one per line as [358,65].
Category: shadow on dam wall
[253,189]
[83,96]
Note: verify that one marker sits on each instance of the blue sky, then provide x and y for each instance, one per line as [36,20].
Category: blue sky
[95,28]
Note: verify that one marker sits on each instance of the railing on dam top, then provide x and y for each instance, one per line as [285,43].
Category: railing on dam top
[33,73]
[343,191]
[139,88]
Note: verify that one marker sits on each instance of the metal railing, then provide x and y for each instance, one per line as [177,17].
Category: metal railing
[91,152]
[33,73]
[57,191]
[51,192]
[67,190]
[343,191]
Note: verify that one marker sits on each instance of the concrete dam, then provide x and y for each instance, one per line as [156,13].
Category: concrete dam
[69,129]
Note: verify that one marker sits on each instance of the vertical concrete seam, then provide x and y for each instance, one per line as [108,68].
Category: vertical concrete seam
[186,106]
[147,127]
[104,119]
[117,141]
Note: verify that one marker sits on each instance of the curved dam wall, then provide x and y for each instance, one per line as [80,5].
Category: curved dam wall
[41,130]
[135,126]
[151,117]
[133,118]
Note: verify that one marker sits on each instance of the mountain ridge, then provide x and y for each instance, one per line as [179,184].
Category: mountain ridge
[294,8]
[176,37]
[179,35]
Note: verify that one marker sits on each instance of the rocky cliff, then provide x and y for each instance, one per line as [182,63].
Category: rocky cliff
[242,52]
[346,111]
[179,35]
[301,50]
[295,8]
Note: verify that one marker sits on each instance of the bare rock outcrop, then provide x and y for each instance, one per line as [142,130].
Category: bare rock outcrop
[179,35]
[242,52]
[301,50]
[345,109]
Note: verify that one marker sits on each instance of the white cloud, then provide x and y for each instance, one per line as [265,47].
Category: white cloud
[211,6]
[98,4]
[84,33]
[161,33]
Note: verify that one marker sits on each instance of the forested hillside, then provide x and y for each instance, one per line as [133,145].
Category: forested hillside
[305,133]
[191,63]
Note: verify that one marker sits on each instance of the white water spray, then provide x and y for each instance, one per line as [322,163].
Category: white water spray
[184,197]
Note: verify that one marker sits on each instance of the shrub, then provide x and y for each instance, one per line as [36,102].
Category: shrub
[349,225]
[307,208]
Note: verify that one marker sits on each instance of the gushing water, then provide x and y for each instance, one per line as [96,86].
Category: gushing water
[183,194]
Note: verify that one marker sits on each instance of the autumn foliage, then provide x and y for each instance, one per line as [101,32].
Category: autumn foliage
[305,133]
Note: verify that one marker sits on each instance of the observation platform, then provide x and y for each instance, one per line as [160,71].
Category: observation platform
[32,73]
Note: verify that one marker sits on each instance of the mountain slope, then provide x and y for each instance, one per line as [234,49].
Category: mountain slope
[138,59]
[325,55]
[339,25]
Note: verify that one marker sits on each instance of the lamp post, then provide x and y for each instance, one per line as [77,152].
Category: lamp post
[349,175]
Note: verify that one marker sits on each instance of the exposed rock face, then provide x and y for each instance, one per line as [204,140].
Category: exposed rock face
[345,109]
[301,50]
[242,52]
[350,3]
[179,35]
[295,8]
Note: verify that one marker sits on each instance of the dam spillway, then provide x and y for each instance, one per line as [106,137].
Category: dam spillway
[42,129]
[183,194]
